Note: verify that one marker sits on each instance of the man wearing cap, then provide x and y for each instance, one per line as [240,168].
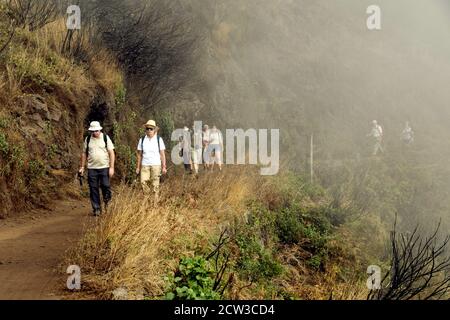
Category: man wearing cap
[99,154]
[151,158]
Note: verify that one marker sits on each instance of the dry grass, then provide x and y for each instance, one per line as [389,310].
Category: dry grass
[136,244]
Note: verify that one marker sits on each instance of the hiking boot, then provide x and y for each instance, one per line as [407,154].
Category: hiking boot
[97,213]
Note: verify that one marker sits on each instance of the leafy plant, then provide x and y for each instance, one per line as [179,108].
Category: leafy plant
[255,261]
[4,145]
[167,126]
[194,280]
[36,169]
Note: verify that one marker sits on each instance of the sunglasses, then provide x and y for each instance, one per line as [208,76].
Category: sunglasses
[150,129]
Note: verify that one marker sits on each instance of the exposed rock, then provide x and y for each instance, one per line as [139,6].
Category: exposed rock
[35,104]
[55,114]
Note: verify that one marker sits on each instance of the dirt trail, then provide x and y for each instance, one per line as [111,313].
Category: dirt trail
[32,248]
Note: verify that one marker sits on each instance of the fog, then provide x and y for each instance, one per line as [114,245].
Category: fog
[313,67]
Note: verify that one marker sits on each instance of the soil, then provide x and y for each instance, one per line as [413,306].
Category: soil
[33,248]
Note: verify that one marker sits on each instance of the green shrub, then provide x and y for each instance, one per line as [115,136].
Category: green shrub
[34,69]
[52,151]
[17,156]
[5,123]
[128,162]
[194,280]
[36,170]
[121,96]
[315,261]
[289,226]
[256,262]
[4,145]
[167,126]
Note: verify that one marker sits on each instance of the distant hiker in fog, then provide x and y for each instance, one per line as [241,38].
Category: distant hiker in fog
[215,148]
[407,134]
[151,156]
[99,154]
[205,139]
[196,149]
[184,148]
[377,135]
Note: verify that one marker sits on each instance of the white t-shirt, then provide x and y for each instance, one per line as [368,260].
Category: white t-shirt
[215,137]
[98,155]
[150,154]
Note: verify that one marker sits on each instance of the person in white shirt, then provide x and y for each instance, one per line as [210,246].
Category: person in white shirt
[184,148]
[205,138]
[196,149]
[377,135]
[408,134]
[151,158]
[215,148]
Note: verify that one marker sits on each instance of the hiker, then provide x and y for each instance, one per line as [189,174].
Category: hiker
[196,149]
[205,142]
[184,149]
[215,148]
[407,134]
[377,135]
[151,156]
[99,154]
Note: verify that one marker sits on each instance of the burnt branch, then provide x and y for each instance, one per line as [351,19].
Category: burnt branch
[419,268]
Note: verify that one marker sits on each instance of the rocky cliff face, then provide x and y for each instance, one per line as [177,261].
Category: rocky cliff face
[46,103]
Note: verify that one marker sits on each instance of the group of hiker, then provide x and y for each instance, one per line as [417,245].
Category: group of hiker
[98,154]
[377,134]
[196,148]
[204,147]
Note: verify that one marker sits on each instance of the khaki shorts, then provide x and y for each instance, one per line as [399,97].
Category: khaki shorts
[150,174]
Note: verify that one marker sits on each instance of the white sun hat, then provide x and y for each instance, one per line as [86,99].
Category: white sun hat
[95,126]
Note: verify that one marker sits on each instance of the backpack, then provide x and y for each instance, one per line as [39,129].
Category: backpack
[157,139]
[105,139]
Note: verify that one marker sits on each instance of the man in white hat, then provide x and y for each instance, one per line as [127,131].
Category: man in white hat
[99,154]
[151,158]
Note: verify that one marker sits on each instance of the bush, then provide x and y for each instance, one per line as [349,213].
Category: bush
[192,281]
[4,145]
[289,227]
[167,126]
[36,170]
[255,262]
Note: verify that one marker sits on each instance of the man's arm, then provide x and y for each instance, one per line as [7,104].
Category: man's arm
[82,163]
[112,161]
[163,161]
[139,162]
